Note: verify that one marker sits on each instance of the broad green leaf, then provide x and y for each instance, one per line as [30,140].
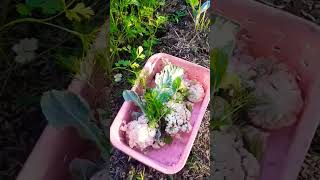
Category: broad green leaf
[23,9]
[66,109]
[63,108]
[79,12]
[218,66]
[130,95]
[46,6]
[82,169]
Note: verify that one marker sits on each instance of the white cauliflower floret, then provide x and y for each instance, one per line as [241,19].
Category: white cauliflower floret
[195,91]
[178,118]
[278,94]
[139,134]
[282,97]
[230,159]
[242,66]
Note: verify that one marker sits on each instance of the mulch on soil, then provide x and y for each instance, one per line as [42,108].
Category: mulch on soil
[180,40]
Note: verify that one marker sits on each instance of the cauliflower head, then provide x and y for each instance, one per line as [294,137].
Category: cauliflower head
[195,91]
[139,134]
[280,97]
[178,118]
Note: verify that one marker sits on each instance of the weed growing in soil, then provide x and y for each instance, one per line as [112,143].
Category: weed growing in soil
[198,14]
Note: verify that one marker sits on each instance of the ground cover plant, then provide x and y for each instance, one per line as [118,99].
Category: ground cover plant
[134,26]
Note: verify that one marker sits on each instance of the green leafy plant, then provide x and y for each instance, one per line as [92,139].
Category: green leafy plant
[134,24]
[131,66]
[63,109]
[51,7]
[155,108]
[223,38]
[198,14]
[133,175]
[177,16]
[48,7]
[130,95]
[241,101]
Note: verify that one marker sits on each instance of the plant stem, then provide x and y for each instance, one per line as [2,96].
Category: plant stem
[25,20]
[124,69]
[60,13]
[33,20]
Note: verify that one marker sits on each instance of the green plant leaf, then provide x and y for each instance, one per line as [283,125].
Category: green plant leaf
[193,3]
[218,67]
[164,97]
[130,95]
[161,20]
[46,6]
[230,80]
[63,108]
[66,109]
[79,12]
[124,63]
[82,169]
[176,83]
[23,9]
[139,50]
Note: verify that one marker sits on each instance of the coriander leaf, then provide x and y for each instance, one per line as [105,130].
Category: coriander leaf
[78,12]
[47,6]
[124,63]
[23,9]
[134,65]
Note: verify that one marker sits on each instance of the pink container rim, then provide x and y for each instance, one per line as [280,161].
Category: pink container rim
[114,129]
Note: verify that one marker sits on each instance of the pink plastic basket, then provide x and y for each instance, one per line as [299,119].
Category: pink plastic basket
[273,33]
[171,158]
